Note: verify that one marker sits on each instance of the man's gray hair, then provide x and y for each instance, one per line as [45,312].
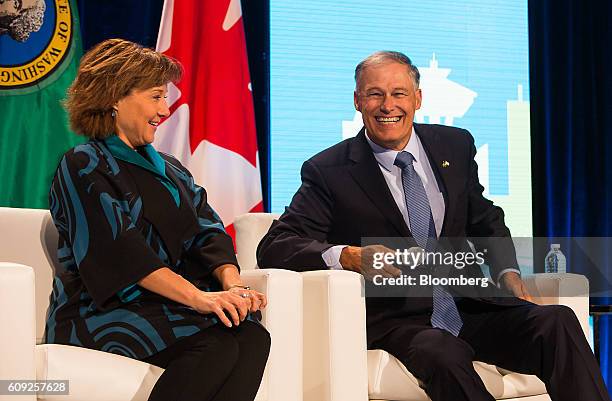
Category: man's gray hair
[386,56]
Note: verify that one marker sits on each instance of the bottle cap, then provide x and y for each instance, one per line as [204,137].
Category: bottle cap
[555,246]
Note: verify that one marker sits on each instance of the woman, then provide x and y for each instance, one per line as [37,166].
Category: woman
[150,272]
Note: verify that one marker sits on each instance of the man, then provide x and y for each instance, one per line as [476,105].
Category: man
[418,182]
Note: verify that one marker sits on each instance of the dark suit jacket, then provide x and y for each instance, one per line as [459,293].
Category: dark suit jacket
[344,197]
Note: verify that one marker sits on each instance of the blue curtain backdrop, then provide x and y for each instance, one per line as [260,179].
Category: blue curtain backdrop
[571,128]
[571,105]
[135,20]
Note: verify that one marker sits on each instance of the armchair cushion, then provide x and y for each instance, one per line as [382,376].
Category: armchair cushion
[95,375]
[388,379]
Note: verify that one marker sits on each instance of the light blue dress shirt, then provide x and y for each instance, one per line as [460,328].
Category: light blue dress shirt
[393,176]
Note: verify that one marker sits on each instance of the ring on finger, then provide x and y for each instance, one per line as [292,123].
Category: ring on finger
[245,295]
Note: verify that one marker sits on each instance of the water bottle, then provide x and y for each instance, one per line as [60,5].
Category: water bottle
[555,260]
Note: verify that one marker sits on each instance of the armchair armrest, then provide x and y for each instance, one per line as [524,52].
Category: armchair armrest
[335,347]
[567,289]
[17,324]
[282,317]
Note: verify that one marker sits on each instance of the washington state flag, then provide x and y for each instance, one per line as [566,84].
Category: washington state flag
[40,48]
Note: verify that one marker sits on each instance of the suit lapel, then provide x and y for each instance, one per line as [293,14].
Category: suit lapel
[368,176]
[438,154]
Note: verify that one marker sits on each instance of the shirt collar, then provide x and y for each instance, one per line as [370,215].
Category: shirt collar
[386,157]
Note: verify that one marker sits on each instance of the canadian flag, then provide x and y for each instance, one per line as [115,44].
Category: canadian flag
[211,128]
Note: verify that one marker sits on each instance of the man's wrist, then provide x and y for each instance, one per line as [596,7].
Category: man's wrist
[350,258]
[331,257]
[508,276]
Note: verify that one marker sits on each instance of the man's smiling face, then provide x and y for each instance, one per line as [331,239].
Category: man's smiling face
[387,99]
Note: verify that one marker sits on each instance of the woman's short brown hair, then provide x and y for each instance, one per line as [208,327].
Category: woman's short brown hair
[109,72]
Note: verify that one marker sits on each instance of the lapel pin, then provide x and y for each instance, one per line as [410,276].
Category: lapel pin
[445,164]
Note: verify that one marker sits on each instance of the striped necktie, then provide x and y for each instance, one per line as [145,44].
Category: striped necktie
[445,314]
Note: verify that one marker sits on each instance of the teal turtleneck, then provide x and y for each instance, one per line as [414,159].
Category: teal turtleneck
[153,162]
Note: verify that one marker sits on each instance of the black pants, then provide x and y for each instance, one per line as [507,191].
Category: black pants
[545,341]
[217,364]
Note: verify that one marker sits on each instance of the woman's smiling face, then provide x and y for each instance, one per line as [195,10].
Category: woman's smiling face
[139,113]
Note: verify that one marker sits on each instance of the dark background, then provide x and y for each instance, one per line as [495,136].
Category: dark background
[570,95]
[571,129]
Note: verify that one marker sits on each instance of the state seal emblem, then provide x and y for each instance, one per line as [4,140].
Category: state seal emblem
[35,38]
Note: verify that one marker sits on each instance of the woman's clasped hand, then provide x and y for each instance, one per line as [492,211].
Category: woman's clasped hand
[231,306]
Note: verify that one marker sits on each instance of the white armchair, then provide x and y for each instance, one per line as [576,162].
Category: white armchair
[28,242]
[337,364]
